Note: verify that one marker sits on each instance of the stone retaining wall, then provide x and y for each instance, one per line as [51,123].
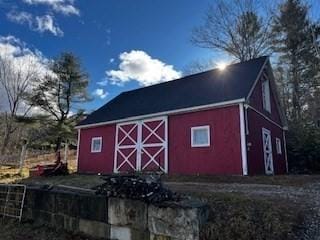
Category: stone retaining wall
[114,218]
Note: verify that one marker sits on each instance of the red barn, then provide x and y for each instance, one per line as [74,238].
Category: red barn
[215,122]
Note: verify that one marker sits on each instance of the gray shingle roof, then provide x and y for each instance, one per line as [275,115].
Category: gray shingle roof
[204,88]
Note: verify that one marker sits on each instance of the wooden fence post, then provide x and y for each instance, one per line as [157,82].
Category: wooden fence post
[22,157]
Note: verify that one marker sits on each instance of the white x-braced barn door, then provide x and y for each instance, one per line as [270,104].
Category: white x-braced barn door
[267,151]
[141,146]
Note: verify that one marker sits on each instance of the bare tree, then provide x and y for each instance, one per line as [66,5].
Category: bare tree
[197,66]
[16,79]
[234,27]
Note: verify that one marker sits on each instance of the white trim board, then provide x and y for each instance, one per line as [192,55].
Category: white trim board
[285,150]
[264,116]
[243,141]
[172,112]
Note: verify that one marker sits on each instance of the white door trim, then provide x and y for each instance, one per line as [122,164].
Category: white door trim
[139,146]
[267,151]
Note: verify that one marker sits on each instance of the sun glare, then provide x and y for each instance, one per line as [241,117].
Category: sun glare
[222,65]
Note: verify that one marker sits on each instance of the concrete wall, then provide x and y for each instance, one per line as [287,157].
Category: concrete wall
[114,218]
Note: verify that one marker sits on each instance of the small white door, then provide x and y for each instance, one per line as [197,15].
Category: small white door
[267,151]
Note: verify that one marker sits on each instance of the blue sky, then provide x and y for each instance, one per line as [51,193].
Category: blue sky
[99,31]
[123,44]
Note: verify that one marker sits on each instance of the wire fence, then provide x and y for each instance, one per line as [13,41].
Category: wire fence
[31,158]
[10,160]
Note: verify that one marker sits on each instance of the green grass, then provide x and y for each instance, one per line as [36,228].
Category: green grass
[27,231]
[282,180]
[89,181]
[75,180]
[235,216]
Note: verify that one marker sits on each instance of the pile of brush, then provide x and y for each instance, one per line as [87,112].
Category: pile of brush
[147,188]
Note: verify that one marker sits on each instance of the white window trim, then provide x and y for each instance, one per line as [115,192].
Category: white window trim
[92,140]
[278,146]
[206,127]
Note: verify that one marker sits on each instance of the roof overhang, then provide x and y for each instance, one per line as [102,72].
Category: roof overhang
[171,112]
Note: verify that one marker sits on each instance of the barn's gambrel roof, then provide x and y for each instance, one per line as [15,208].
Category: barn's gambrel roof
[210,87]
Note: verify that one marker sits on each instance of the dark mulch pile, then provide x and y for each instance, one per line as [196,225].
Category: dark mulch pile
[147,188]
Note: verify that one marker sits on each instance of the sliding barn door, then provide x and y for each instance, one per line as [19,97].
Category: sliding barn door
[126,147]
[142,146]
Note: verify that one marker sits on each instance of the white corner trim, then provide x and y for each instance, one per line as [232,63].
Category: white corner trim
[285,150]
[100,148]
[115,170]
[206,127]
[243,141]
[172,112]
[78,148]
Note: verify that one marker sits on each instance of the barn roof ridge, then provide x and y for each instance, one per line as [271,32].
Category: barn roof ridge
[192,75]
[208,87]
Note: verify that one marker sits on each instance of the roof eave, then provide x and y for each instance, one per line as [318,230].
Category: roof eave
[170,112]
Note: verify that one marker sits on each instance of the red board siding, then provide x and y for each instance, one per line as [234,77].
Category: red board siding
[256,102]
[97,162]
[222,157]
[255,152]
[224,154]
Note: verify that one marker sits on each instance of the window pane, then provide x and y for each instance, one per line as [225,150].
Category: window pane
[96,145]
[278,142]
[266,95]
[200,136]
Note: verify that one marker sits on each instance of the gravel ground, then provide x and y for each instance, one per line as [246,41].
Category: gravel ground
[307,196]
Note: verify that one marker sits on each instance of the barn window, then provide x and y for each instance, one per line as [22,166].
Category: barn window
[200,136]
[96,144]
[266,95]
[278,145]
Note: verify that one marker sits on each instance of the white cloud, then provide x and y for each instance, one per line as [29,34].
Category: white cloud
[14,49]
[46,23]
[99,92]
[103,83]
[139,66]
[23,61]
[20,17]
[65,7]
[38,23]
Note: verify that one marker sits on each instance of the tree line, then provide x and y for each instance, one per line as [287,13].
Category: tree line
[246,29]
[41,107]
